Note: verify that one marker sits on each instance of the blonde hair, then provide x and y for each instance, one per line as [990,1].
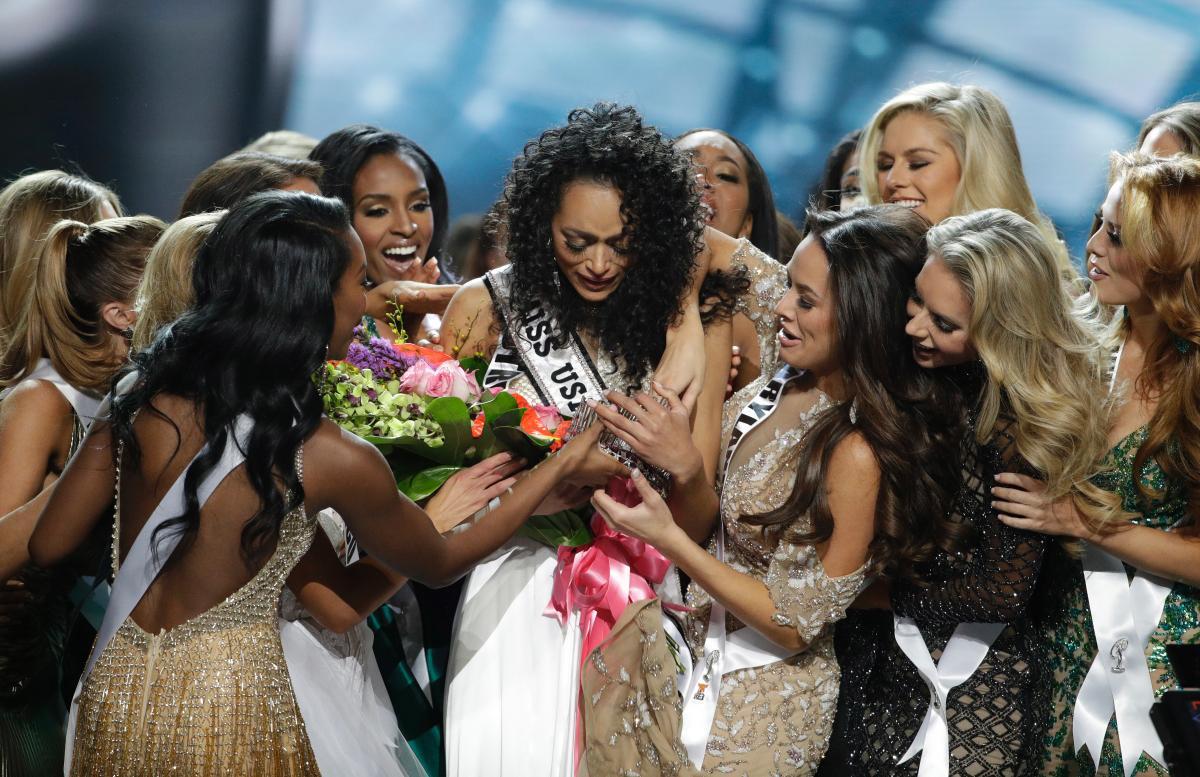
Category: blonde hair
[289,143]
[29,206]
[1182,119]
[166,288]
[79,269]
[1046,367]
[1160,229]
[981,133]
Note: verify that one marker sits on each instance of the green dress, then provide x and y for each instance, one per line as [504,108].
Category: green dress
[1066,620]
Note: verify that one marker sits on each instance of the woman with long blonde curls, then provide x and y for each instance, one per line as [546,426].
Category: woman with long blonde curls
[29,206]
[947,150]
[989,311]
[166,288]
[61,356]
[1144,259]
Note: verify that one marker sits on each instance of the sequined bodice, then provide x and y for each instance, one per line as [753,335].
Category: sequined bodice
[209,696]
[1167,502]
[762,480]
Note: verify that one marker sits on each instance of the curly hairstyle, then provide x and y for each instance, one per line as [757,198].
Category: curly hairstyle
[276,256]
[913,420]
[344,152]
[1160,228]
[660,208]
[764,232]
[1046,366]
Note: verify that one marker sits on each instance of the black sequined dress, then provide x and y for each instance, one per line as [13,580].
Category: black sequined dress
[992,715]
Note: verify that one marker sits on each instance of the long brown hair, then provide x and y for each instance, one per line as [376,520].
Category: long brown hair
[1160,227]
[29,206]
[80,269]
[913,421]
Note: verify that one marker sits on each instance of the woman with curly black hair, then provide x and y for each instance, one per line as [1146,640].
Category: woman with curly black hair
[603,231]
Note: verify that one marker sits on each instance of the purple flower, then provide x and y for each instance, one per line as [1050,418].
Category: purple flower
[378,356]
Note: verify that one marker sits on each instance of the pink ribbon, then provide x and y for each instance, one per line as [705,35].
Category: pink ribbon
[602,578]
[605,576]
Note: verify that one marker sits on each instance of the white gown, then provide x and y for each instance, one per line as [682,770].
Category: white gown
[340,690]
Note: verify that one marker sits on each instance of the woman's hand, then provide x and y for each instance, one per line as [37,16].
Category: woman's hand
[584,464]
[650,521]
[415,298]
[1021,503]
[662,436]
[469,490]
[681,367]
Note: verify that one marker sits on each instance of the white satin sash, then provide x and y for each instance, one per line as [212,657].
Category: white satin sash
[1124,615]
[965,651]
[85,405]
[563,376]
[746,648]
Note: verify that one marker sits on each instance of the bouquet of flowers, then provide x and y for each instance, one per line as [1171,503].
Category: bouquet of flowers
[426,413]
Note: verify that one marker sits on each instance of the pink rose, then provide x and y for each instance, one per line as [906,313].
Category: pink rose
[416,378]
[548,416]
[461,383]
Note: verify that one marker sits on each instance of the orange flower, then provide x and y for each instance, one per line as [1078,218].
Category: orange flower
[477,426]
[431,357]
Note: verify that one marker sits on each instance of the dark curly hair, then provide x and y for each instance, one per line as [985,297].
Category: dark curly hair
[660,207]
[913,420]
[276,256]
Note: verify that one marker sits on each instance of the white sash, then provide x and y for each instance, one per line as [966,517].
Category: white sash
[85,405]
[1125,614]
[140,568]
[562,376]
[747,647]
[968,646]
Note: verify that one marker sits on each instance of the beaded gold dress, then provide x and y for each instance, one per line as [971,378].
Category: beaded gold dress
[211,696]
[770,720]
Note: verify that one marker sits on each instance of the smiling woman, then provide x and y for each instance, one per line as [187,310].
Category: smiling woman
[947,150]
[399,207]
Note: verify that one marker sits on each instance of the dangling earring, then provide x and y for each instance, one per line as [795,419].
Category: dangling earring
[1183,345]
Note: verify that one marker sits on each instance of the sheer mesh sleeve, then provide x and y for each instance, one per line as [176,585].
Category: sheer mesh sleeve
[768,283]
[993,581]
[805,598]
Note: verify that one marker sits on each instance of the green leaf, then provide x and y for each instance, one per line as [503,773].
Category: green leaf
[452,415]
[475,364]
[566,528]
[424,484]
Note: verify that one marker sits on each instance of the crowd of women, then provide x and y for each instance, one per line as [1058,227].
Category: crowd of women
[923,493]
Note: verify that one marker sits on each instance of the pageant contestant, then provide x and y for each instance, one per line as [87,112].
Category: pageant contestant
[187,673]
[948,150]
[827,467]
[603,226]
[737,201]
[29,206]
[955,688]
[63,351]
[398,202]
[1144,260]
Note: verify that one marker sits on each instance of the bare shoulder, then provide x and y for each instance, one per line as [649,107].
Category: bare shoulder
[33,400]
[853,461]
[469,321]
